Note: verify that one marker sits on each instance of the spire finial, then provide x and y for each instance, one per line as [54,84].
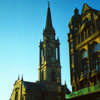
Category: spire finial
[22,78]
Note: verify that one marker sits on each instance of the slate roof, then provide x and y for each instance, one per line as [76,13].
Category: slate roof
[31,86]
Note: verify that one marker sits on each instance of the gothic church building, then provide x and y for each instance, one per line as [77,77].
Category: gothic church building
[84,54]
[49,85]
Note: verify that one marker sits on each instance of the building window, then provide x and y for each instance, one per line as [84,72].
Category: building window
[88,68]
[72,59]
[96,47]
[84,54]
[86,35]
[41,52]
[82,36]
[89,31]
[16,96]
[85,70]
[56,53]
[53,76]
[51,51]
[71,45]
[96,65]
[73,70]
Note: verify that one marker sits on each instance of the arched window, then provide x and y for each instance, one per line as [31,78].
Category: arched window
[96,47]
[84,54]
[16,96]
[41,52]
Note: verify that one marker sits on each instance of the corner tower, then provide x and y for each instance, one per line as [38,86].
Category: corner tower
[49,67]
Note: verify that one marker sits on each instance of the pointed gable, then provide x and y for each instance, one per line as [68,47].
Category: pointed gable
[85,8]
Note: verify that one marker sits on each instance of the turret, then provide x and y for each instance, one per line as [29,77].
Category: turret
[75,22]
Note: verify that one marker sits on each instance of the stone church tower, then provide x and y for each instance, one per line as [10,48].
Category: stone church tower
[49,85]
[50,69]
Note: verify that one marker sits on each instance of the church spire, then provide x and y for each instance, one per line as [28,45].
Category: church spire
[22,78]
[48,28]
[48,20]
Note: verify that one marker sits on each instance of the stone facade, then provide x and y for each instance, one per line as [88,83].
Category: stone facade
[84,52]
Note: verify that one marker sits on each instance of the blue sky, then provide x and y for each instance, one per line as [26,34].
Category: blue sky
[21,27]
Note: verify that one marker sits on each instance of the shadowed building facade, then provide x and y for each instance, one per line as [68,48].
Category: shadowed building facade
[49,85]
[84,53]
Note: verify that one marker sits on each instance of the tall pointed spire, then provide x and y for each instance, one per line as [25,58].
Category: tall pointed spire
[49,28]
[48,20]
[22,78]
